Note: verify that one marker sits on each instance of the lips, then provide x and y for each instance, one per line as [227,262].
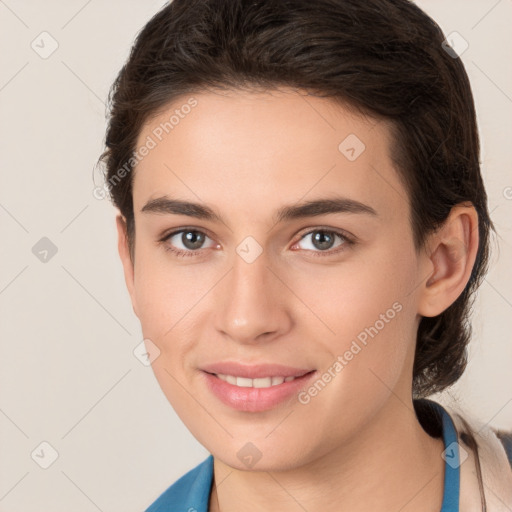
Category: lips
[255,388]
[255,371]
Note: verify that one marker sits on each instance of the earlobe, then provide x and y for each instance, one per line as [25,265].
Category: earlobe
[124,254]
[450,258]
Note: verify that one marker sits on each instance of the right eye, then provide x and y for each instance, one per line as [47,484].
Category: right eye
[191,240]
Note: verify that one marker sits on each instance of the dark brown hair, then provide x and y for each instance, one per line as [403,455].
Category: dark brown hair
[382,57]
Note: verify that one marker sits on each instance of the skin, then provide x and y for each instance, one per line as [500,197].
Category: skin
[357,442]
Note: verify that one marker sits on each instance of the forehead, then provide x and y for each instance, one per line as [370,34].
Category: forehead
[249,151]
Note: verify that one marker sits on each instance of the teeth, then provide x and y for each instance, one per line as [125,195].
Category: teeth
[242,382]
[230,379]
[264,382]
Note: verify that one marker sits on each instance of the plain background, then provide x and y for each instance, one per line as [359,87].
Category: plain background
[68,376]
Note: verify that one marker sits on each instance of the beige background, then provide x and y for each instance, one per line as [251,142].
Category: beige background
[68,376]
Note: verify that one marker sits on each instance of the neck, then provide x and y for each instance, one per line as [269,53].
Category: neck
[393,464]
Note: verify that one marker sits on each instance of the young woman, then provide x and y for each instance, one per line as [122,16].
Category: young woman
[302,225]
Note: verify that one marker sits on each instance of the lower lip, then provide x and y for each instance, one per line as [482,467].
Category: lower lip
[255,399]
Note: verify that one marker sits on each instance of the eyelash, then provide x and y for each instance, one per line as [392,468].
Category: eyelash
[185,254]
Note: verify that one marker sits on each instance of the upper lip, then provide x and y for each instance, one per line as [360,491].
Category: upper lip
[254,371]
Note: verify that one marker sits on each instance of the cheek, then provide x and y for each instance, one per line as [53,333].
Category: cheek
[361,294]
[363,364]
[368,318]
[164,293]
[173,311]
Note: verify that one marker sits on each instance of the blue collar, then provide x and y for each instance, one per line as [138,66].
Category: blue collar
[191,492]
[452,462]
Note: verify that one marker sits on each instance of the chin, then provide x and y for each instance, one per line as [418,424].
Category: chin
[245,455]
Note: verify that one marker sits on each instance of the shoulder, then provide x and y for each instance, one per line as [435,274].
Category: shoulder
[188,494]
[485,465]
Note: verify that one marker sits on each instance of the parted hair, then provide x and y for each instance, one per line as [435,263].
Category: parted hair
[385,58]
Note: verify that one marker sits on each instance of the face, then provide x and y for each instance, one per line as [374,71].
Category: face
[283,306]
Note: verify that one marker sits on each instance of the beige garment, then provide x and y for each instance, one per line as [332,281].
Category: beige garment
[486,473]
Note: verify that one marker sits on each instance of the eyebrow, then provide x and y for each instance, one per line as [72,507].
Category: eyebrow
[166,205]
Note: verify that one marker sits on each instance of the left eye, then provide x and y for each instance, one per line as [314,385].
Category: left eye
[323,240]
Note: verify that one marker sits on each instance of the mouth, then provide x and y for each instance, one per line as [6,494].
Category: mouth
[256,394]
[262,382]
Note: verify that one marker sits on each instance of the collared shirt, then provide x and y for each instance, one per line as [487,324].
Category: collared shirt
[191,493]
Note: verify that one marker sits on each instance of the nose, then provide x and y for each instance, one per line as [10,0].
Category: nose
[251,302]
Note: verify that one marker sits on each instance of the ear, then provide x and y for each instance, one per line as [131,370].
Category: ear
[448,261]
[124,253]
